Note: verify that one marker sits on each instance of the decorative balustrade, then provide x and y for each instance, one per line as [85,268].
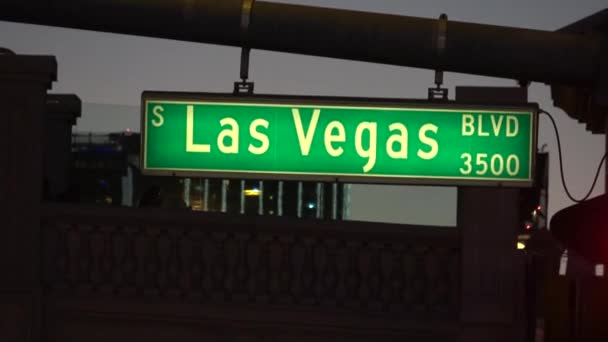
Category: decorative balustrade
[214,258]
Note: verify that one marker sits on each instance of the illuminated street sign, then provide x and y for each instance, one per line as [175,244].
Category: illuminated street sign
[329,139]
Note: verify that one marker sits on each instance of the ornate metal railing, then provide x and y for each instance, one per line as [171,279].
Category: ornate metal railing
[214,258]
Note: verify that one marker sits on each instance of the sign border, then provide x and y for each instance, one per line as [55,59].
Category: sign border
[358,102]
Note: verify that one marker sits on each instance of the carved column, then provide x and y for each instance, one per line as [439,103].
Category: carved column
[24,81]
[492,274]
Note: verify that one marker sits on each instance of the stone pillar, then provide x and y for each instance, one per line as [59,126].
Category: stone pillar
[492,294]
[61,114]
[24,81]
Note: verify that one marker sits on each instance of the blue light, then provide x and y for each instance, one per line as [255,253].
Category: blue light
[311,205]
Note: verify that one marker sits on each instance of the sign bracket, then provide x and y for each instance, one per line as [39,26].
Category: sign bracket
[438,93]
[244,86]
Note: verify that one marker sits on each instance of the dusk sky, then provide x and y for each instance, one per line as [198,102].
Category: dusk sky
[109,72]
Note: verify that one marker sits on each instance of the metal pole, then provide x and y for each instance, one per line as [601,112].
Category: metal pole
[334,201]
[319,204]
[522,54]
[280,199]
[261,198]
[224,207]
[187,190]
[300,194]
[206,196]
[242,197]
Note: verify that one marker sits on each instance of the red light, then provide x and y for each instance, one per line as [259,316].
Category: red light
[539,208]
[528,227]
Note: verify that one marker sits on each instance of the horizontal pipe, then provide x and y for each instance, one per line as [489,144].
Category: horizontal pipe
[516,53]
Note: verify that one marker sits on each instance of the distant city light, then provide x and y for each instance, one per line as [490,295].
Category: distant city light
[252,192]
[599,270]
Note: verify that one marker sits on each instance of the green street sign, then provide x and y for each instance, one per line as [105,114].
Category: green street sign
[337,139]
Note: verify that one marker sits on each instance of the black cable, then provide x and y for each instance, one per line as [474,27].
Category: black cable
[561,164]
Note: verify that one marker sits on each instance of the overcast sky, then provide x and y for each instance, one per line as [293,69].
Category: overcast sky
[109,72]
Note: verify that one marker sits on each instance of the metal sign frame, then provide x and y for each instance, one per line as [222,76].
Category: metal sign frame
[533,108]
